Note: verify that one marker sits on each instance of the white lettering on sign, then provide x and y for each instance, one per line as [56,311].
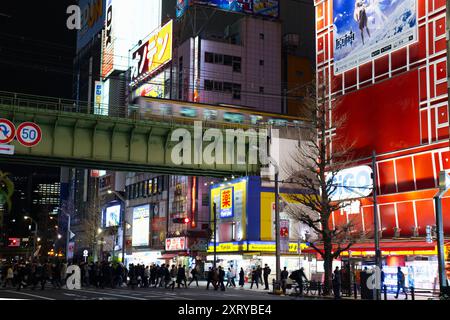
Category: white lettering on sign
[352,183]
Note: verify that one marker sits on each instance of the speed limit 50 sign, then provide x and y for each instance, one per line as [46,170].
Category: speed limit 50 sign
[29,134]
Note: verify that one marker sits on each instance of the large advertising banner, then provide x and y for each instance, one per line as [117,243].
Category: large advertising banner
[366,29]
[153,54]
[141,226]
[112,216]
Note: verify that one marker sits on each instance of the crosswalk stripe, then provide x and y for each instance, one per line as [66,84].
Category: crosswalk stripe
[29,294]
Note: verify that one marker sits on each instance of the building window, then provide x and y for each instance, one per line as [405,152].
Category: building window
[227,60]
[261,89]
[237,91]
[261,36]
[218,86]
[218,58]
[237,64]
[261,62]
[227,87]
[209,57]
[208,85]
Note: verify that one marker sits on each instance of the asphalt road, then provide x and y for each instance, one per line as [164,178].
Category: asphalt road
[191,293]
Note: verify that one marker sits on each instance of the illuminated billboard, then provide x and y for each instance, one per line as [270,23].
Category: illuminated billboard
[153,54]
[126,23]
[154,88]
[367,29]
[141,226]
[112,216]
[226,203]
[267,8]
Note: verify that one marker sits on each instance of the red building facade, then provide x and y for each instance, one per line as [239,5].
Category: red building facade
[395,104]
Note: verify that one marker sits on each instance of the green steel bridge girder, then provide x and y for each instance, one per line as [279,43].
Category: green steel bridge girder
[100,142]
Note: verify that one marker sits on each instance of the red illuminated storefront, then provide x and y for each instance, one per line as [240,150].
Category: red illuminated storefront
[395,104]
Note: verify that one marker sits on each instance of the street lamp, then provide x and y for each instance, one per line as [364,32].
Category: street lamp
[122,198]
[35,232]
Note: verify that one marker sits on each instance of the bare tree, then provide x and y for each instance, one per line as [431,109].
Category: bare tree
[89,226]
[313,168]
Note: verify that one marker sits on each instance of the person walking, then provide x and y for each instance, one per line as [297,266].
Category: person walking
[228,273]
[401,283]
[221,278]
[266,273]
[209,278]
[146,276]
[233,276]
[180,275]
[241,278]
[215,279]
[255,279]
[337,283]
[284,276]
[194,274]
[152,275]
[173,277]
[9,276]
[260,275]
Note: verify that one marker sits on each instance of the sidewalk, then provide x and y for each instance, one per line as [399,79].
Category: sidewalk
[390,296]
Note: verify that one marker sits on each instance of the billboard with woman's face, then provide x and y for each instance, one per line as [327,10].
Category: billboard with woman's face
[367,29]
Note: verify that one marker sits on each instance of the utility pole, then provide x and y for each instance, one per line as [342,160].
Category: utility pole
[277,231]
[444,186]
[376,235]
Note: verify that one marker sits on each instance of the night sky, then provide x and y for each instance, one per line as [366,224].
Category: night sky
[36,48]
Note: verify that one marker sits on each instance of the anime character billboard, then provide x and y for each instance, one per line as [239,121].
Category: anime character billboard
[367,29]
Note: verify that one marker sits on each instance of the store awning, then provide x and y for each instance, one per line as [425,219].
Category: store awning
[387,247]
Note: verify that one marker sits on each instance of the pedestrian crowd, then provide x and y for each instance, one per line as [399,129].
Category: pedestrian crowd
[37,274]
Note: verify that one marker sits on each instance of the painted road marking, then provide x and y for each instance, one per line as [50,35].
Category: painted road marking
[29,294]
[111,294]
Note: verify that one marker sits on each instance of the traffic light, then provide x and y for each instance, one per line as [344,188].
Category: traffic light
[184,220]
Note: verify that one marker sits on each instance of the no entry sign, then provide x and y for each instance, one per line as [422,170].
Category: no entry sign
[29,134]
[7,131]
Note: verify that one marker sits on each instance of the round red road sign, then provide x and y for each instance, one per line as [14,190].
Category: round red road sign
[29,134]
[7,131]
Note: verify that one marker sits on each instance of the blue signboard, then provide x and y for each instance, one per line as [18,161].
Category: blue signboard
[92,21]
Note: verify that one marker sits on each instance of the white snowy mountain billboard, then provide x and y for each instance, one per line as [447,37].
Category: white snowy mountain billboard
[367,29]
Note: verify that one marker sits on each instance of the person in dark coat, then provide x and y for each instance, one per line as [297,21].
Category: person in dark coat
[152,275]
[284,276]
[255,278]
[133,276]
[266,273]
[181,274]
[298,276]
[221,279]
[241,278]
[337,283]
[194,274]
[209,278]
[401,283]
